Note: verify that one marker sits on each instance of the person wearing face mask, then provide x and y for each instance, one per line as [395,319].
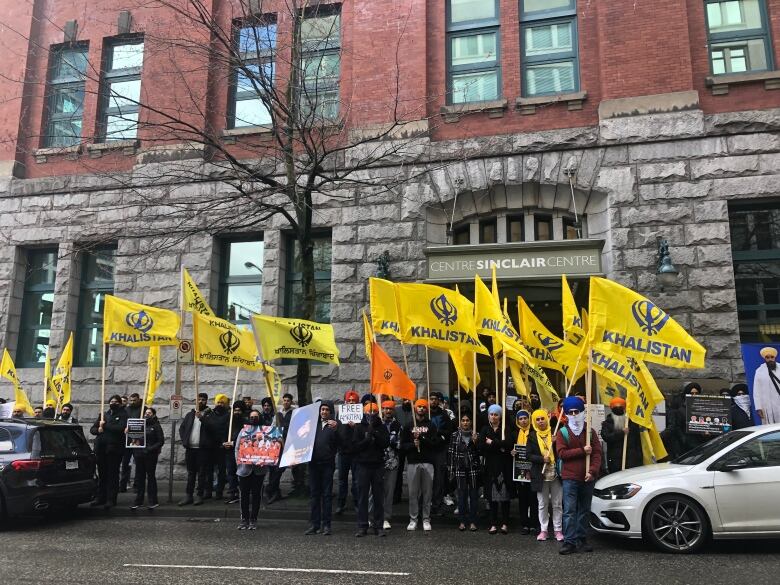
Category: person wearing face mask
[526,496]
[250,477]
[197,451]
[465,469]
[146,461]
[544,480]
[741,416]
[498,469]
[217,425]
[109,448]
[239,420]
[614,430]
[345,460]
[370,441]
[572,447]
[766,388]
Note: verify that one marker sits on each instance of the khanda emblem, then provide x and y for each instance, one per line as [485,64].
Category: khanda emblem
[387,375]
[229,342]
[444,310]
[547,342]
[301,335]
[650,318]
[140,321]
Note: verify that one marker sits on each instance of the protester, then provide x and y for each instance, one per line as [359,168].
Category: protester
[741,416]
[109,447]
[405,416]
[391,460]
[614,430]
[321,468]
[17,412]
[443,424]
[239,420]
[489,399]
[370,441]
[38,412]
[248,403]
[578,479]
[217,424]
[535,402]
[544,480]
[66,414]
[418,441]
[146,461]
[298,480]
[346,464]
[197,452]
[49,410]
[133,410]
[766,388]
[250,477]
[465,469]
[498,469]
[526,496]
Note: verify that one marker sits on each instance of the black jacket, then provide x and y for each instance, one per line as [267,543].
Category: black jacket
[206,440]
[370,439]
[443,423]
[133,411]
[155,438]
[284,421]
[498,454]
[239,420]
[326,443]
[346,439]
[537,461]
[112,439]
[614,439]
[217,424]
[430,441]
[739,418]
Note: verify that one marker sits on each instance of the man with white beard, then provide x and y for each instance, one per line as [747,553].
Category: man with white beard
[766,388]
[614,431]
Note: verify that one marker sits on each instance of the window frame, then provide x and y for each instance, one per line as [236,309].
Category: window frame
[742,36]
[90,288]
[324,48]
[269,56]
[319,275]
[461,230]
[520,218]
[226,281]
[488,223]
[471,28]
[53,84]
[36,289]
[111,76]
[543,218]
[550,17]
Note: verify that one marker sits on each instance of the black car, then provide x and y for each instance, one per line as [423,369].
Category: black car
[44,464]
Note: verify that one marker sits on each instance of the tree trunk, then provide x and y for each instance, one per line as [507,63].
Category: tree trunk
[309,293]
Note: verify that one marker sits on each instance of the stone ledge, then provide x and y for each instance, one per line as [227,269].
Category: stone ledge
[527,106]
[128,147]
[493,108]
[230,134]
[41,154]
[719,84]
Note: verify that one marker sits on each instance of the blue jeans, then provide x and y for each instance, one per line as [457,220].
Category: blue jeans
[468,500]
[321,488]
[576,507]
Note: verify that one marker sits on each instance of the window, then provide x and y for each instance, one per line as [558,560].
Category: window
[543,227]
[487,232]
[738,36]
[461,235]
[254,75]
[241,278]
[515,228]
[97,280]
[473,65]
[763,451]
[755,251]
[320,64]
[121,95]
[549,59]
[65,99]
[39,278]
[572,230]
[293,285]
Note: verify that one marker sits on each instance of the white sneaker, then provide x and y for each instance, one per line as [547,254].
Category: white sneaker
[448,500]
[412,526]
[386,525]
[426,525]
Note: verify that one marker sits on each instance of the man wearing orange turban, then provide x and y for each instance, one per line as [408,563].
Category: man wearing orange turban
[766,388]
[613,431]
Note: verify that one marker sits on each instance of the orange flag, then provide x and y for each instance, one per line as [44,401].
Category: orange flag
[387,377]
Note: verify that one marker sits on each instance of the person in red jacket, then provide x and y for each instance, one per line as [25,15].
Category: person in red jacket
[578,479]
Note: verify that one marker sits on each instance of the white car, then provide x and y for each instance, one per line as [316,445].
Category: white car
[726,488]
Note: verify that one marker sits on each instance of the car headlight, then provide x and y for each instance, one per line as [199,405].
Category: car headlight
[621,491]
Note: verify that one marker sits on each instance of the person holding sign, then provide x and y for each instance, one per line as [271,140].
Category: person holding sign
[146,461]
[544,479]
[522,476]
[321,468]
[498,469]
[370,441]
[109,432]
[250,476]
[346,464]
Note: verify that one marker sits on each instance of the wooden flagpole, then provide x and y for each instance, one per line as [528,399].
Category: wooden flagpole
[474,387]
[588,388]
[503,402]
[146,388]
[427,378]
[230,424]
[625,442]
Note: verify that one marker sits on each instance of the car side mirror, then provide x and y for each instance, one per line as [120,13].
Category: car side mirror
[737,464]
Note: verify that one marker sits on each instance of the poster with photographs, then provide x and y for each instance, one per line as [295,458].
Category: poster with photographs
[135,437]
[261,448]
[522,466]
[707,414]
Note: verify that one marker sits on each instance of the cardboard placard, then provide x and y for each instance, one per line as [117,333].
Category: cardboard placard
[262,448]
[521,470]
[351,413]
[707,414]
[300,437]
[135,437]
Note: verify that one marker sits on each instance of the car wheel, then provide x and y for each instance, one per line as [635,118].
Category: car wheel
[676,524]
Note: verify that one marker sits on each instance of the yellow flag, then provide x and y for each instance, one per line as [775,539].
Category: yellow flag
[368,335]
[492,321]
[609,389]
[629,323]
[8,371]
[281,337]
[50,393]
[153,373]
[137,325]
[547,393]
[275,381]
[573,330]
[62,373]
[653,449]
[384,307]
[193,299]
[463,363]
[437,317]
[549,350]
[217,342]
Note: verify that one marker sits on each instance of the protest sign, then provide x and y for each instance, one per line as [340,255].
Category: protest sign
[522,466]
[261,448]
[135,438]
[7,409]
[597,416]
[301,435]
[351,413]
[707,414]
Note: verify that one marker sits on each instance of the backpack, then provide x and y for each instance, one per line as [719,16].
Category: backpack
[558,461]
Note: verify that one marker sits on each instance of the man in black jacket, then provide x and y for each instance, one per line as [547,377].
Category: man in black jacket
[321,468]
[370,439]
[197,455]
[133,410]
[109,432]
[298,471]
[217,424]
[443,424]
[239,420]
[614,431]
[420,441]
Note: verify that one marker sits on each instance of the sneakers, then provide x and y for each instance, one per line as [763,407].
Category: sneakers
[326,531]
[232,500]
[312,530]
[379,532]
[583,546]
[412,526]
[361,533]
[197,501]
[427,525]
[473,527]
[559,536]
[567,549]
[542,535]
[135,506]
[152,506]
[243,525]
[386,525]
[186,501]
[252,525]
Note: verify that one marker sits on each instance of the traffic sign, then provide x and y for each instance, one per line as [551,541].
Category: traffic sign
[176,405]
[184,351]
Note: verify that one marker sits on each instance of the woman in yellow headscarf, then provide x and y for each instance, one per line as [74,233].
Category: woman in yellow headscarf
[525,493]
[544,481]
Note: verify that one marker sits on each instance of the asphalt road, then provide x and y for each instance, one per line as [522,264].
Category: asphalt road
[107,551]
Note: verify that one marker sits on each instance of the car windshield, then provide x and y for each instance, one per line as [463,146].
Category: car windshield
[707,450]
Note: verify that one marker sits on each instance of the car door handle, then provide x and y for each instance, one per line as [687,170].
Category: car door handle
[707,487]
